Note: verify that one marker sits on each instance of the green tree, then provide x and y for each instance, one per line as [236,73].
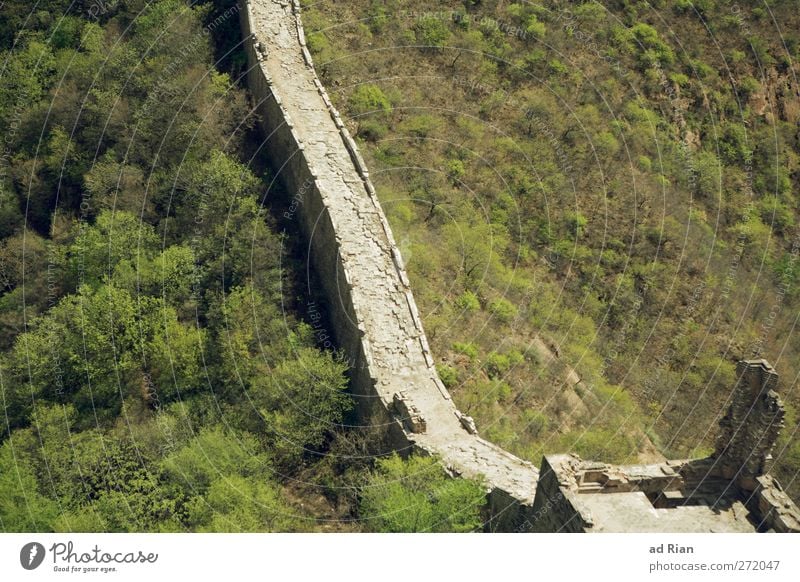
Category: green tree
[23,507]
[417,496]
[300,401]
[248,505]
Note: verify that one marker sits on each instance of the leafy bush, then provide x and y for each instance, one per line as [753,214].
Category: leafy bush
[448,375]
[372,130]
[417,496]
[651,48]
[369,99]
[498,364]
[468,349]
[468,301]
[503,309]
[534,27]
[431,32]
[535,423]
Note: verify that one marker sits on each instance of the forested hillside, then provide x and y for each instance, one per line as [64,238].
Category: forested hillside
[155,371]
[596,201]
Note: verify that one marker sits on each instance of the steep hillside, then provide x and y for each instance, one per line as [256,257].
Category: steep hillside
[596,202]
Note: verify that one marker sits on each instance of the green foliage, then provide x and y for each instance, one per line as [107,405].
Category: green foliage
[27,73]
[455,170]
[468,349]
[247,505]
[497,364]
[686,208]
[651,49]
[431,32]
[448,375]
[576,223]
[747,87]
[23,508]
[99,248]
[733,145]
[502,309]
[317,42]
[149,328]
[372,130]
[420,125]
[368,99]
[535,423]
[557,67]
[599,443]
[777,214]
[468,301]
[707,172]
[417,496]
[534,27]
[302,400]
[95,347]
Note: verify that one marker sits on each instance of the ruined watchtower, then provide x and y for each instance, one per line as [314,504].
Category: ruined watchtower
[751,426]
[730,491]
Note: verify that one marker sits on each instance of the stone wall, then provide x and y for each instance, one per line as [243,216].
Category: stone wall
[373,312]
[775,509]
[557,508]
[752,424]
[730,491]
[376,322]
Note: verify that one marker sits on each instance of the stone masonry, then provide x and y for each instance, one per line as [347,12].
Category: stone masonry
[751,426]
[393,377]
[373,312]
[726,492]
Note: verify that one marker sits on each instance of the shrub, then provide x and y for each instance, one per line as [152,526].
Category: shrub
[534,27]
[455,170]
[468,349]
[431,32]
[369,98]
[606,144]
[600,444]
[497,365]
[468,301]
[448,375]
[557,67]
[776,214]
[420,125]
[747,87]
[652,48]
[317,43]
[576,222]
[535,423]
[372,130]
[417,496]
[503,309]
[377,18]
